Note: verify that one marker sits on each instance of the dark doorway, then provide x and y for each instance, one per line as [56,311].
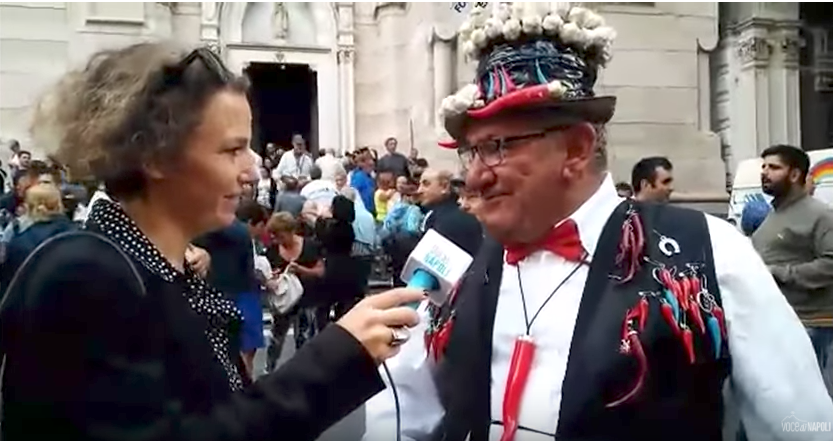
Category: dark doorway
[816,75]
[283,103]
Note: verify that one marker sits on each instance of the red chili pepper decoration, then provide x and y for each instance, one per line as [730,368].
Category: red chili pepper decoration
[665,278]
[696,287]
[519,368]
[624,243]
[717,312]
[678,291]
[697,317]
[685,292]
[688,342]
[643,313]
[639,234]
[441,338]
[668,314]
[634,347]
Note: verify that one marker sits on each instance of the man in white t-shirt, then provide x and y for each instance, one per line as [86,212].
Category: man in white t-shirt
[295,163]
[329,165]
[319,190]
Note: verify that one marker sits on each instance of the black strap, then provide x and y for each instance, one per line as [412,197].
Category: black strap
[31,260]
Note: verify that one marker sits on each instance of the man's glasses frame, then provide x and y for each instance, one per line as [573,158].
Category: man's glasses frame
[492,152]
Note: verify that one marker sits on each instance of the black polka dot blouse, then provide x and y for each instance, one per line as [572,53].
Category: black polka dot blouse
[220,312]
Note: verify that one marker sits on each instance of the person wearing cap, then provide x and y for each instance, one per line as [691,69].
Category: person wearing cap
[586,316]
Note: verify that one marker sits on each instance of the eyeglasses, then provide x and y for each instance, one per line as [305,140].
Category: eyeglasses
[491,152]
[173,75]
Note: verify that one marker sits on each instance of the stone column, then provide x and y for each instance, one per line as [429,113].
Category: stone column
[785,103]
[750,119]
[347,99]
[393,95]
[765,89]
[346,75]
[443,61]
[210,24]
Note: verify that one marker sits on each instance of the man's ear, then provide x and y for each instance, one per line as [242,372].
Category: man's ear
[579,147]
[795,176]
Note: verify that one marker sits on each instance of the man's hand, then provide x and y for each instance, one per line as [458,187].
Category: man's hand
[779,272]
[199,259]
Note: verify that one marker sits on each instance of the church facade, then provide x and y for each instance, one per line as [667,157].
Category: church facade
[704,84]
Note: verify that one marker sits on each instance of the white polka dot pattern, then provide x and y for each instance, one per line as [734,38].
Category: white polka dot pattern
[206,301]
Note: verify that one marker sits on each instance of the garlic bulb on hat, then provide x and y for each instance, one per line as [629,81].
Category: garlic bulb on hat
[512,29]
[551,24]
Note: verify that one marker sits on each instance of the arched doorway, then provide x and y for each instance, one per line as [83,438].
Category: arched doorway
[288,50]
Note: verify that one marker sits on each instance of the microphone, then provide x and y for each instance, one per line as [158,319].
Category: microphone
[435,265]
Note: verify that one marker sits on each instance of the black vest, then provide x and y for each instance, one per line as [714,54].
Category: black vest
[679,400]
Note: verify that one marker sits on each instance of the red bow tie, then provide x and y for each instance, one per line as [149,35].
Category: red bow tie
[562,240]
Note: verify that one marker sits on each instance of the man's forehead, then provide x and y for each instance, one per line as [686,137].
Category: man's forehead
[496,127]
[773,160]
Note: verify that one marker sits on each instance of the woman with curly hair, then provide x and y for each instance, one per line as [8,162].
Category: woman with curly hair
[108,333]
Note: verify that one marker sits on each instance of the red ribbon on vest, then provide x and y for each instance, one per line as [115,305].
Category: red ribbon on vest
[562,240]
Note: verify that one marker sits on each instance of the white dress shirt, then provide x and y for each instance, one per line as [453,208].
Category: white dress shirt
[291,165]
[774,371]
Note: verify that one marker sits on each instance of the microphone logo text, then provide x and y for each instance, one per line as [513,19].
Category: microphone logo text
[438,261]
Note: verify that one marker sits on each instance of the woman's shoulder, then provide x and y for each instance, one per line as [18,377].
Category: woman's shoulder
[81,263]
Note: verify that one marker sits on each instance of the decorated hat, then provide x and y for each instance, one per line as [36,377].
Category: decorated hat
[531,55]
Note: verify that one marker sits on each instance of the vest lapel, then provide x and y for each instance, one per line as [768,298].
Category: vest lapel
[488,297]
[464,379]
[594,347]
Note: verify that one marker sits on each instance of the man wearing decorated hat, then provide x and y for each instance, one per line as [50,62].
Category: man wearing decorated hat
[586,316]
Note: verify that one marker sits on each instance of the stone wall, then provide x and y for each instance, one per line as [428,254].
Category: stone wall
[40,41]
[660,75]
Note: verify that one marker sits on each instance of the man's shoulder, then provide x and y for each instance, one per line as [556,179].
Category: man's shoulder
[816,208]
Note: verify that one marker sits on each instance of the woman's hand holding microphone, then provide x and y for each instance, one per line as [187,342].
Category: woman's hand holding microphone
[379,321]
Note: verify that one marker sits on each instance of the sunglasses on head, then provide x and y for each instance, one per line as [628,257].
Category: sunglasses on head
[174,75]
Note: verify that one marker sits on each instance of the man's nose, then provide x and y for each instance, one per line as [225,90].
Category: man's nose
[478,175]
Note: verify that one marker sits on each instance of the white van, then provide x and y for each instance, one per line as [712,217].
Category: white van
[747,182]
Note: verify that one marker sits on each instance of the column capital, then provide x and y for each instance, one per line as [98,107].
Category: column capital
[386,6]
[345,55]
[754,50]
[791,47]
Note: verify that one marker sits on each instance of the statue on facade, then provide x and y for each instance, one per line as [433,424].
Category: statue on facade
[280,21]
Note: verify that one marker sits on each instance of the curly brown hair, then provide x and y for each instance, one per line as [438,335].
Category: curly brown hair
[128,108]
[282,222]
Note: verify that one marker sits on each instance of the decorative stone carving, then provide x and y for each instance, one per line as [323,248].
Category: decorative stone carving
[791,47]
[754,49]
[345,55]
[214,46]
[280,21]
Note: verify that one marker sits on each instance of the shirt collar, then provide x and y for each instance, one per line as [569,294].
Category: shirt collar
[109,218]
[593,214]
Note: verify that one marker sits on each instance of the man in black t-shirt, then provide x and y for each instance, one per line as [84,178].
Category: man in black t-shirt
[393,161]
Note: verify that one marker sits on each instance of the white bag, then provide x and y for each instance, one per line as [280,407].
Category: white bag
[284,291]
